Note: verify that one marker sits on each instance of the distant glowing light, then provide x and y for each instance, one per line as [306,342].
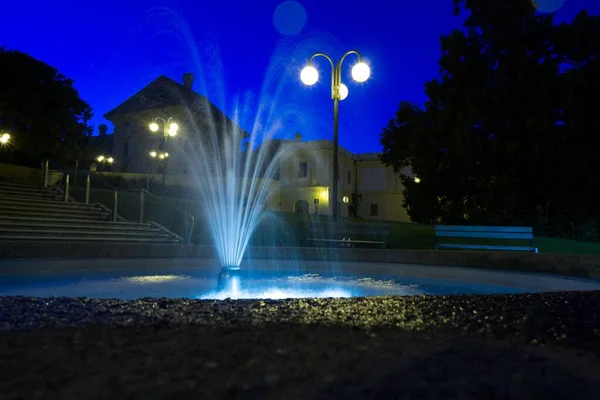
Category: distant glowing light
[110,160]
[345,199]
[417,179]
[309,75]
[289,18]
[166,155]
[156,278]
[361,72]
[154,127]
[343,91]
[4,139]
[153,154]
[100,158]
[173,128]
[161,156]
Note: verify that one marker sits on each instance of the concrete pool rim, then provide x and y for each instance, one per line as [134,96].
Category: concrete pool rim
[531,282]
[574,265]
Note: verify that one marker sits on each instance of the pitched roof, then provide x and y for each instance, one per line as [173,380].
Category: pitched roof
[164,92]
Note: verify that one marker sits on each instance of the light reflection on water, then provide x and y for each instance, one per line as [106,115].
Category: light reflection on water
[247,286]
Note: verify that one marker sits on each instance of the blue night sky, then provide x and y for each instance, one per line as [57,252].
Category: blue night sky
[241,61]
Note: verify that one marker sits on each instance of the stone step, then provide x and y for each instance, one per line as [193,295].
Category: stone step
[54,215]
[83,233]
[19,185]
[61,220]
[32,194]
[24,189]
[76,226]
[59,208]
[72,238]
[43,203]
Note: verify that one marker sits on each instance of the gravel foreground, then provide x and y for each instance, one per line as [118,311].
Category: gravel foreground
[531,346]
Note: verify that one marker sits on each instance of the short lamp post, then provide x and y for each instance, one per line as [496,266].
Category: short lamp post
[339,91]
[161,156]
[170,129]
[105,159]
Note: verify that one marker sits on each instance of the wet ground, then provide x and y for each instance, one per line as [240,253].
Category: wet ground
[526,346]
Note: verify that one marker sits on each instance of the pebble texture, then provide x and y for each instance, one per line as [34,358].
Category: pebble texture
[532,346]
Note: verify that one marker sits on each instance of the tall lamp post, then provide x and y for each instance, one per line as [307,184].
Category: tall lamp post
[170,129]
[339,91]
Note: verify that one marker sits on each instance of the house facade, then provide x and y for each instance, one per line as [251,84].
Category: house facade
[366,188]
[201,127]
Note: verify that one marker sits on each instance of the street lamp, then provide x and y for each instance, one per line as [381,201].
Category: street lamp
[170,129]
[105,159]
[339,91]
[159,154]
[4,138]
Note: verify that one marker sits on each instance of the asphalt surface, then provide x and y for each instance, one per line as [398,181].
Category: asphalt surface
[532,346]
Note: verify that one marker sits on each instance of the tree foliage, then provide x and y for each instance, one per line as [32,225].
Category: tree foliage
[41,109]
[509,133]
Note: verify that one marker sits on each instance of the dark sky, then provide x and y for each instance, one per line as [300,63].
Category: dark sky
[242,62]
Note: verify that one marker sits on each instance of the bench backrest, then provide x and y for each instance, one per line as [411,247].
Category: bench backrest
[484,232]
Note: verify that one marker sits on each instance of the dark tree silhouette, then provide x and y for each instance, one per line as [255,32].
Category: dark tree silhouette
[41,109]
[507,134]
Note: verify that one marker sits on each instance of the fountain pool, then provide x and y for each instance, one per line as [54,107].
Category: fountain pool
[274,279]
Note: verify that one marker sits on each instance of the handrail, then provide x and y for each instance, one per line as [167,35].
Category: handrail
[46,167]
[144,192]
[45,170]
[114,217]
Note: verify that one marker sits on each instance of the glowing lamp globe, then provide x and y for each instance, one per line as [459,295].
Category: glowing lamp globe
[173,128]
[154,127]
[361,72]
[309,75]
[4,138]
[100,158]
[110,160]
[343,91]
[152,154]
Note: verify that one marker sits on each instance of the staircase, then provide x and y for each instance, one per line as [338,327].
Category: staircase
[37,213]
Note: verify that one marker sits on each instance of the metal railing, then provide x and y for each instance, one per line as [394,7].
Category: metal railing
[143,194]
[67,188]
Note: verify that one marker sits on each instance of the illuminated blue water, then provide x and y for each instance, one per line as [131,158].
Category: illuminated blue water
[200,284]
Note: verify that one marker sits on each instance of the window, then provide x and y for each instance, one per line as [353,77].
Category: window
[302,170]
[349,176]
[374,210]
[126,149]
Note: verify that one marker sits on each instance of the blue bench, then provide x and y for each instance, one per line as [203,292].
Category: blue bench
[484,232]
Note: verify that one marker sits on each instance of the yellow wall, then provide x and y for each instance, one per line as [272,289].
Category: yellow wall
[389,206]
[289,195]
[383,188]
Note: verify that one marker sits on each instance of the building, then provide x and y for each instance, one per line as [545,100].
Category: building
[198,119]
[366,188]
